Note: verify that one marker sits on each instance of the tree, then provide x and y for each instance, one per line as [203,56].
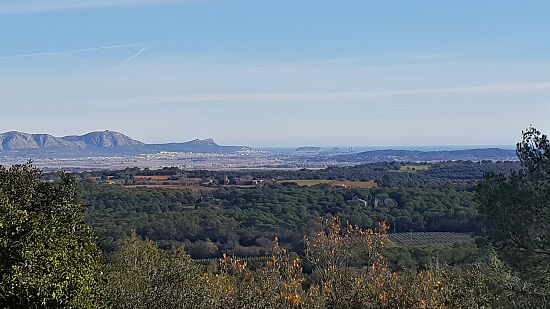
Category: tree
[48,255]
[144,276]
[516,210]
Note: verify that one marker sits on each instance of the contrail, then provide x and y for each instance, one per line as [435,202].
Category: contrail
[135,56]
[69,52]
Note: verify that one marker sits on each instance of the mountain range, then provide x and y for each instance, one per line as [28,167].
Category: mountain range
[19,144]
[101,142]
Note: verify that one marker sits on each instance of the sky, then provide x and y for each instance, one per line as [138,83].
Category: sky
[278,73]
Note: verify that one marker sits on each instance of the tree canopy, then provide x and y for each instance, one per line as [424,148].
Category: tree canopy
[48,255]
[516,209]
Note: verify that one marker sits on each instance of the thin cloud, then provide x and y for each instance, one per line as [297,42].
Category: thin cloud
[258,97]
[12,7]
[502,88]
[70,52]
[428,57]
[375,59]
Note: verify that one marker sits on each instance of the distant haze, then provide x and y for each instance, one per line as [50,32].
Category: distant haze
[278,73]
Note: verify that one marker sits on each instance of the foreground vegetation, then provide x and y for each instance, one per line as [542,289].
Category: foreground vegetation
[49,257]
[143,276]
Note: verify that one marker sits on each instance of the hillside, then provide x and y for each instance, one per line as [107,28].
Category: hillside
[495,154]
[23,141]
[197,145]
[105,139]
[101,142]
[20,141]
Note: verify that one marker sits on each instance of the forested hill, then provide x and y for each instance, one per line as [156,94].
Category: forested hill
[495,154]
[385,173]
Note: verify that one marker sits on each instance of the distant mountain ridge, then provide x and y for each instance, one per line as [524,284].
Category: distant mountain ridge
[495,154]
[20,144]
[101,141]
[14,140]
[198,145]
[17,140]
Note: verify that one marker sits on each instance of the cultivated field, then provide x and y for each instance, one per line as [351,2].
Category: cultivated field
[415,167]
[308,182]
[335,183]
[174,187]
[152,178]
[434,239]
[355,184]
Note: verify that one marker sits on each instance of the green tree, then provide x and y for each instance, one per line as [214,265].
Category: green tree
[516,210]
[144,276]
[48,255]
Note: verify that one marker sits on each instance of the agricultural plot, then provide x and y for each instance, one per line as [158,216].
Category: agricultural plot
[253,262]
[414,167]
[308,182]
[355,184]
[433,239]
[334,183]
[154,178]
[173,187]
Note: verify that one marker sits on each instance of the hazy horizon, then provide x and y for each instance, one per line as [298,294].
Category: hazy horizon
[284,73]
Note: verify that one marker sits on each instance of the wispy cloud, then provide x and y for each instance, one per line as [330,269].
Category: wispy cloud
[377,59]
[71,52]
[37,6]
[317,97]
[428,57]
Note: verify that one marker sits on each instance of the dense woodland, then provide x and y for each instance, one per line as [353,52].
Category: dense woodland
[87,241]
[235,219]
[243,221]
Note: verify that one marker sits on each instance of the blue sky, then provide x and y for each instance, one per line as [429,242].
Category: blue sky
[268,73]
